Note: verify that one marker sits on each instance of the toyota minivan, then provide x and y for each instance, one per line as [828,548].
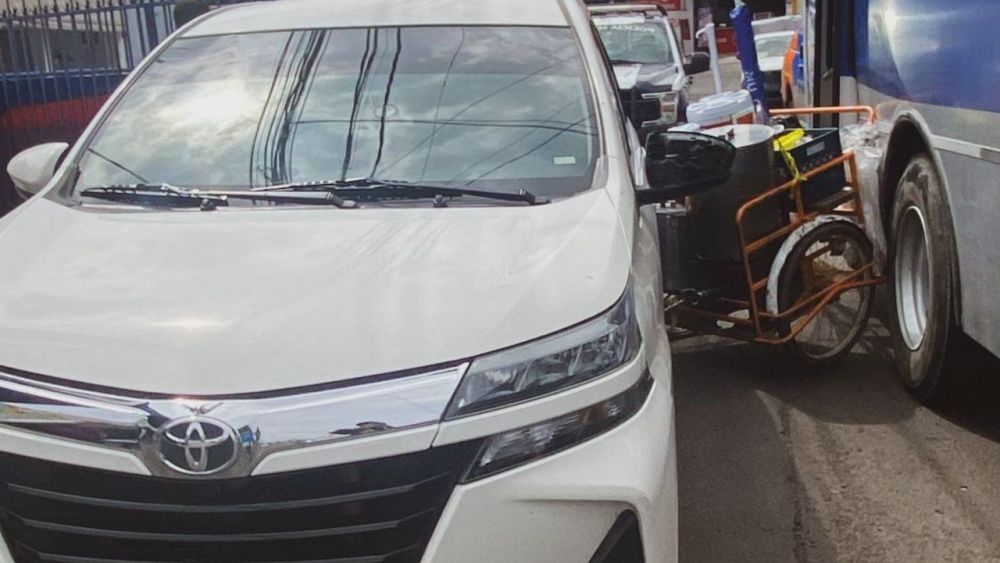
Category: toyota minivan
[342,281]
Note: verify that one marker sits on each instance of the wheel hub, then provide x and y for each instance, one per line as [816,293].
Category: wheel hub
[912,269]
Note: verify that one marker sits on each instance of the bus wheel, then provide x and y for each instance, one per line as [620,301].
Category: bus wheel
[922,302]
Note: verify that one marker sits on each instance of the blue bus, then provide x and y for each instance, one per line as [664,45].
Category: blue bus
[931,68]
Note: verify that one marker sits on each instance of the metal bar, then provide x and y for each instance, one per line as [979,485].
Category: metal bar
[64,72]
[803,303]
[13,53]
[87,31]
[139,25]
[106,31]
[5,27]
[25,53]
[50,62]
[870,111]
[748,271]
[127,37]
[716,316]
[816,311]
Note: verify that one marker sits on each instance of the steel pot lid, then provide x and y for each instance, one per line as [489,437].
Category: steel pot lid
[742,136]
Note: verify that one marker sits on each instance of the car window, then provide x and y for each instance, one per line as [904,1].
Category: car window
[499,108]
[636,40]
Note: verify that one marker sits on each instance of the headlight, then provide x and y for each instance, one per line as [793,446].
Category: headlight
[517,447]
[572,357]
[668,107]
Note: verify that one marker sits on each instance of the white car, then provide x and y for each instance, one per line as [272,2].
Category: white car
[343,281]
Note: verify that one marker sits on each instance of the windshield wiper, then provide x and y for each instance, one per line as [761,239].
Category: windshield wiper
[374,189]
[169,196]
[626,62]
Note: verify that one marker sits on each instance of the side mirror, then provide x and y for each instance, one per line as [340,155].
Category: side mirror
[679,164]
[699,63]
[32,169]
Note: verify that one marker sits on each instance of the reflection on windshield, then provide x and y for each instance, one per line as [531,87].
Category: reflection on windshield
[498,108]
[643,42]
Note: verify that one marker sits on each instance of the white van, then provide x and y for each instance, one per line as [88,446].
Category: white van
[343,281]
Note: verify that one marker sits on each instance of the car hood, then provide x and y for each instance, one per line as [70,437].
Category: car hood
[646,77]
[245,301]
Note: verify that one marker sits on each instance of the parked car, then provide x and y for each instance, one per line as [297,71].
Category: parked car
[771,51]
[330,281]
[650,65]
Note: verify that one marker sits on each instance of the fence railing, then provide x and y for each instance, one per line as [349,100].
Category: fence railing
[59,61]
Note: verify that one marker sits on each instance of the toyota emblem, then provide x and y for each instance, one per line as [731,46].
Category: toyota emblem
[197,446]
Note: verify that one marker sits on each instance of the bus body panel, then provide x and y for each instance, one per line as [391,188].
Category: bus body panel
[936,64]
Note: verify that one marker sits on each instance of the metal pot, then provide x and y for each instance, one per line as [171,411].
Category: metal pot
[713,213]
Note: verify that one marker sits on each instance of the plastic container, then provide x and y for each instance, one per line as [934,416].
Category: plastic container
[726,108]
[822,146]
[714,211]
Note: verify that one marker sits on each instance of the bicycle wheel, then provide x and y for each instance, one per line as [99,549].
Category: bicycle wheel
[828,254]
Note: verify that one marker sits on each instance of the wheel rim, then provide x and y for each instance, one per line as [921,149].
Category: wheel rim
[912,268]
[837,325]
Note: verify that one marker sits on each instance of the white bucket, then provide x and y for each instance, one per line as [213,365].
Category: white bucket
[726,108]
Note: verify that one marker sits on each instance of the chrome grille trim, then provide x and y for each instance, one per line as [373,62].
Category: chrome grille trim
[262,426]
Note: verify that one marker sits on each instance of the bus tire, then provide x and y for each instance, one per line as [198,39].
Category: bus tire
[922,301]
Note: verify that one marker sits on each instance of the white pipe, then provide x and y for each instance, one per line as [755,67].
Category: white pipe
[713,51]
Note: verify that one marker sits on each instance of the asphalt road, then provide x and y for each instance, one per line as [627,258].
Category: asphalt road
[783,462]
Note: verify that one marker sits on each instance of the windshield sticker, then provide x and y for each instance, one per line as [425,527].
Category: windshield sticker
[630,28]
[564,160]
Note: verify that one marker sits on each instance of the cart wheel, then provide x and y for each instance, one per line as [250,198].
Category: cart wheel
[828,254]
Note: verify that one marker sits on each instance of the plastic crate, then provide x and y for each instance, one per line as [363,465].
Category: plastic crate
[824,147]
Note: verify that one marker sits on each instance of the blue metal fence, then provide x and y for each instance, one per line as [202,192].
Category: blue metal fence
[59,60]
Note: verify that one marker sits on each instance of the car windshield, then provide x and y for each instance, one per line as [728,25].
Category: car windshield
[500,109]
[637,40]
[768,47]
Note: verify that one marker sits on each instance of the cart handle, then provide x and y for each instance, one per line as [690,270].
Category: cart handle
[828,110]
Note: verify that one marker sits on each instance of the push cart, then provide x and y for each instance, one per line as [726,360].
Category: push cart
[804,278]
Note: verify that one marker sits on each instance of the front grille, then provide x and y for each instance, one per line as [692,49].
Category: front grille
[369,512]
[638,109]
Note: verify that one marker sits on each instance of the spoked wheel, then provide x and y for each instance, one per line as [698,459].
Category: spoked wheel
[829,254]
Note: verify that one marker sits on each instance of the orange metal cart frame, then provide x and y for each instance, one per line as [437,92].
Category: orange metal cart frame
[862,277]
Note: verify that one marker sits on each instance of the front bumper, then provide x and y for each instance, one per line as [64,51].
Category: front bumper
[557,508]
[560,508]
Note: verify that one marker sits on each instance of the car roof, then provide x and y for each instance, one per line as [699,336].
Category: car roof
[318,14]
